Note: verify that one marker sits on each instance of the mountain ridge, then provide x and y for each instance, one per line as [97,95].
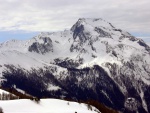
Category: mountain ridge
[93,57]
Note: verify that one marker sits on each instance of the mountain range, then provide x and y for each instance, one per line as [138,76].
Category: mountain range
[93,60]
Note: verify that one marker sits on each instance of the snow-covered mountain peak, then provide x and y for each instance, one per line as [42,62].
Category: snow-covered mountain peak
[90,23]
[95,22]
[97,27]
[91,54]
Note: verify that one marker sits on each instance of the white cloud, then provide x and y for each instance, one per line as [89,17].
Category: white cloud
[53,15]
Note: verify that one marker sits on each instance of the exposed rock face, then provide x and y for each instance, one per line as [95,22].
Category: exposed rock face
[93,60]
[44,47]
[131,104]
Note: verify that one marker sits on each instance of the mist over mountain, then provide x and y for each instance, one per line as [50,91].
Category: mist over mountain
[93,60]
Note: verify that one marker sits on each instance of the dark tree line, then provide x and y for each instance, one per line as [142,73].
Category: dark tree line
[8,96]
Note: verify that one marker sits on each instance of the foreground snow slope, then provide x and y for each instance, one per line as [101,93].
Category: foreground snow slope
[44,106]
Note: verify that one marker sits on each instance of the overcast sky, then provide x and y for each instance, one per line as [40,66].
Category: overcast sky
[25,18]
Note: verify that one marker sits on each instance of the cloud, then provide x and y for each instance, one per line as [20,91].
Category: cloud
[54,15]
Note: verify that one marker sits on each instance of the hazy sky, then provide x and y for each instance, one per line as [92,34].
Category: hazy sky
[23,19]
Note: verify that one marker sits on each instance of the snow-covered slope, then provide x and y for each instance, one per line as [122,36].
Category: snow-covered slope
[93,58]
[88,38]
[44,106]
